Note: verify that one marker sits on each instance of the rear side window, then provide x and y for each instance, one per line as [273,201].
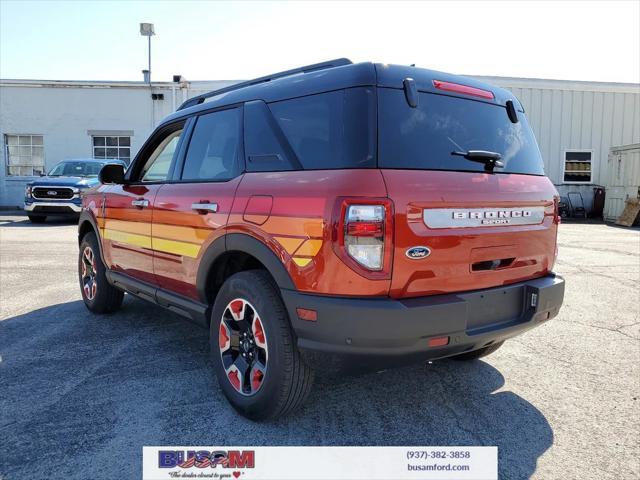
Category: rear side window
[424,137]
[213,149]
[324,131]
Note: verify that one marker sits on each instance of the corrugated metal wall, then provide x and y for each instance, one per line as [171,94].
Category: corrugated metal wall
[577,115]
[622,179]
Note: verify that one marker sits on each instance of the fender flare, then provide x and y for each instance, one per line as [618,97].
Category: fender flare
[86,216]
[240,242]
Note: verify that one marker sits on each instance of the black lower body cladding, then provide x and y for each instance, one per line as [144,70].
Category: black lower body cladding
[381,332]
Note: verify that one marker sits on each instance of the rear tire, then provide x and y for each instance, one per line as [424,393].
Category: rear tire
[481,352]
[37,218]
[267,344]
[98,294]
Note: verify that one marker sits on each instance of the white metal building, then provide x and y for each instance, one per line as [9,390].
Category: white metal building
[43,122]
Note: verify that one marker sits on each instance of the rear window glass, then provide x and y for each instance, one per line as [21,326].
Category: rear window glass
[330,130]
[424,137]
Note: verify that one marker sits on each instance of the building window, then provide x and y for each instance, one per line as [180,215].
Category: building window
[24,155]
[577,166]
[112,147]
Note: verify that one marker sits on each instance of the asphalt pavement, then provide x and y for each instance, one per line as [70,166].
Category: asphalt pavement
[81,394]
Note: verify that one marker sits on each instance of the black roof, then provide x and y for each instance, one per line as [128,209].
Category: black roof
[324,77]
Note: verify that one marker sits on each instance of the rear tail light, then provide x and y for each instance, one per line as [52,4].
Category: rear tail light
[363,236]
[556,219]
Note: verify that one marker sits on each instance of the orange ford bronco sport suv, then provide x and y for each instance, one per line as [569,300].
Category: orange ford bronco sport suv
[336,214]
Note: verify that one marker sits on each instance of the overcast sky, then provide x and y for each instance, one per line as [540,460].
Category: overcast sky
[207,40]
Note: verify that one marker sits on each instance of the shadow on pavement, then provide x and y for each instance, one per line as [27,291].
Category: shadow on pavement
[23,221]
[87,392]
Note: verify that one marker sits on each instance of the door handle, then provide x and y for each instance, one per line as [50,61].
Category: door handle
[142,203]
[204,207]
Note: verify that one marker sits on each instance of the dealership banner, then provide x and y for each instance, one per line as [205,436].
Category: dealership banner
[321,463]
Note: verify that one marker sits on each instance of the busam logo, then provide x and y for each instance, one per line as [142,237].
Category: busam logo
[233,459]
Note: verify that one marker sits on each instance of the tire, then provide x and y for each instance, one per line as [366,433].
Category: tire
[278,380]
[98,294]
[37,218]
[481,352]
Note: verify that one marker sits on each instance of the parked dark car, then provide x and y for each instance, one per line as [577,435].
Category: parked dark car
[60,192]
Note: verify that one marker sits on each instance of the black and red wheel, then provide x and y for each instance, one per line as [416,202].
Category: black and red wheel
[253,348]
[243,346]
[98,295]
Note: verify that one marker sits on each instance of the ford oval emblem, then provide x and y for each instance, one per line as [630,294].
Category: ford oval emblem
[416,253]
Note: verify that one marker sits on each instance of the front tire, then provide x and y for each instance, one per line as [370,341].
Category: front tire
[253,348]
[37,218]
[481,352]
[98,294]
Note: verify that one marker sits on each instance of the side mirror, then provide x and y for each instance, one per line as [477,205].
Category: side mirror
[112,173]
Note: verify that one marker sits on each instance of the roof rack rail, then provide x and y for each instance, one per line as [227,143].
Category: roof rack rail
[338,62]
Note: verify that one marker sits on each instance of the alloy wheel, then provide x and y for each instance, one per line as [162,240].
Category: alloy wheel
[89,273]
[243,347]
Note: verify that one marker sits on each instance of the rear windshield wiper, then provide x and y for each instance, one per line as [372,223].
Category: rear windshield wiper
[489,159]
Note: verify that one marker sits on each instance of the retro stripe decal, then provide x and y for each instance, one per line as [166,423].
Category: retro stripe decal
[300,247]
[289,244]
[180,234]
[294,226]
[302,262]
[143,241]
[310,248]
[184,249]
[302,242]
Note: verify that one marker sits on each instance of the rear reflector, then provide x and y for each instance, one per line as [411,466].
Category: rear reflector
[308,315]
[438,341]
[465,89]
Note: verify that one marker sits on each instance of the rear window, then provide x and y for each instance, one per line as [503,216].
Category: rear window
[324,131]
[424,137]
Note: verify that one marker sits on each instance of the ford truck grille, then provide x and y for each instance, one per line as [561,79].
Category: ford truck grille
[52,193]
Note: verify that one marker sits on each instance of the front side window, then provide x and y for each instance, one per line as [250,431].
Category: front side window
[24,154]
[213,149]
[112,147]
[156,169]
[577,167]
[424,137]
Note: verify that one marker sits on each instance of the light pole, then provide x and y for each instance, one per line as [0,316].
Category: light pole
[146,30]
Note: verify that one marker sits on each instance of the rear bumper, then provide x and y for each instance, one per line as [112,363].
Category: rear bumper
[385,331]
[53,208]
